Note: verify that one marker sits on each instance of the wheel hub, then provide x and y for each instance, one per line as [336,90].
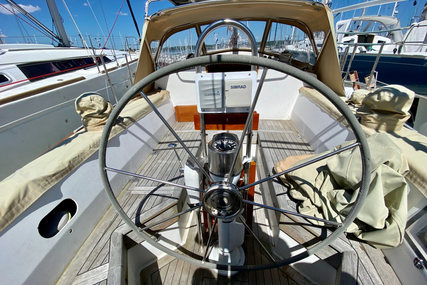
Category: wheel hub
[223,200]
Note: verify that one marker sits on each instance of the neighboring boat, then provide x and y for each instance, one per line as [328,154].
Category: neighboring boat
[38,86]
[369,29]
[190,159]
[381,45]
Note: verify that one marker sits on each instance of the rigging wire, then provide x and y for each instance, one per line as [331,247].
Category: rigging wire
[77,28]
[109,34]
[53,25]
[105,20]
[133,17]
[22,27]
[19,26]
[40,31]
[96,19]
[113,44]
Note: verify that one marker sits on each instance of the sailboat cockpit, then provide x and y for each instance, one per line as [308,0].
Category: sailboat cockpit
[235,157]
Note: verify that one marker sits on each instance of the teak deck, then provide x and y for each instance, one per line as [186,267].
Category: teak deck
[280,139]
[97,263]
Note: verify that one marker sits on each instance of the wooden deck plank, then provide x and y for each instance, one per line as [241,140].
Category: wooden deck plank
[163,271]
[171,272]
[283,141]
[250,258]
[192,144]
[386,273]
[159,158]
[184,274]
[259,231]
[135,208]
[161,161]
[275,144]
[304,145]
[151,162]
[101,254]
[97,275]
[366,264]
[297,138]
[103,241]
[278,140]
[347,271]
[306,238]
[178,271]
[170,160]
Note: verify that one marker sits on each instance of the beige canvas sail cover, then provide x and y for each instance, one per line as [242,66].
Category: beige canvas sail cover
[328,189]
[94,110]
[22,188]
[387,108]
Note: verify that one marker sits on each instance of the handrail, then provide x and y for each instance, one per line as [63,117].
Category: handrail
[373,32]
[379,44]
[382,31]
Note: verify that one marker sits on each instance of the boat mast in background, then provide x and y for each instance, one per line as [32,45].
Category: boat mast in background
[424,13]
[62,38]
[57,21]
[133,18]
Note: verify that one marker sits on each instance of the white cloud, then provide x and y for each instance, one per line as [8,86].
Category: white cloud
[85,4]
[123,14]
[28,8]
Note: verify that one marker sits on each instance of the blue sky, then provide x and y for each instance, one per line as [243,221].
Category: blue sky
[83,16]
[124,26]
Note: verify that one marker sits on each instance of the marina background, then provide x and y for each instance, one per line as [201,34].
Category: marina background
[95,20]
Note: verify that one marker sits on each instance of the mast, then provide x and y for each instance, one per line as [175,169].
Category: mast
[133,18]
[61,40]
[58,22]
[424,13]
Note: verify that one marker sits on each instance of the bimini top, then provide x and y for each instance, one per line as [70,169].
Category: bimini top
[310,17]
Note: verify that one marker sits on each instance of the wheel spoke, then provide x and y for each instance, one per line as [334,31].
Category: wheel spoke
[174,216]
[248,123]
[317,159]
[209,239]
[256,238]
[152,179]
[335,224]
[165,122]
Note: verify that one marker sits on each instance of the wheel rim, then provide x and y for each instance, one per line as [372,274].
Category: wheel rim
[248,60]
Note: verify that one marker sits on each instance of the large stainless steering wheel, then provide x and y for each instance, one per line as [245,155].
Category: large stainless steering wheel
[361,143]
